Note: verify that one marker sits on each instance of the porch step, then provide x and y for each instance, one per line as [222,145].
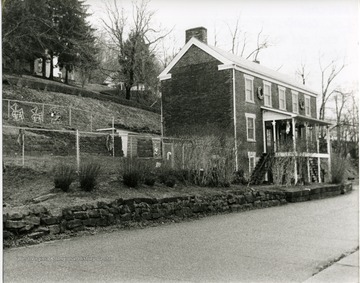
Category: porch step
[314,174]
[262,166]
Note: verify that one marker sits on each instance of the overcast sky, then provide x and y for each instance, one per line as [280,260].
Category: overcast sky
[299,31]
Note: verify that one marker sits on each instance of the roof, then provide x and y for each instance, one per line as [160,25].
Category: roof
[283,115]
[230,60]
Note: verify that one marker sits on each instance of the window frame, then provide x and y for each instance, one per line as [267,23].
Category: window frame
[253,117]
[252,94]
[296,95]
[281,90]
[267,84]
[252,156]
[307,105]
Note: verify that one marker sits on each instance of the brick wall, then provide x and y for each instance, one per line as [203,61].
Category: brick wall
[197,99]
[243,107]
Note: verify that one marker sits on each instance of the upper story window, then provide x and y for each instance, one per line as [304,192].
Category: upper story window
[282,98]
[249,88]
[267,94]
[250,126]
[295,101]
[307,106]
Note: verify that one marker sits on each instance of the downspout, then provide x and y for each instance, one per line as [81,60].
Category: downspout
[162,127]
[235,131]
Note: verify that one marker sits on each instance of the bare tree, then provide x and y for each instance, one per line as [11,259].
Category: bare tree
[340,98]
[135,40]
[262,42]
[168,51]
[301,71]
[240,41]
[328,73]
[235,36]
[349,123]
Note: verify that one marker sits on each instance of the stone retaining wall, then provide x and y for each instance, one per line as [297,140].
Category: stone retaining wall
[318,193]
[37,221]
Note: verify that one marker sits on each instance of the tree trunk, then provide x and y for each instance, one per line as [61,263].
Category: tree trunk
[32,68]
[66,76]
[43,67]
[128,95]
[51,77]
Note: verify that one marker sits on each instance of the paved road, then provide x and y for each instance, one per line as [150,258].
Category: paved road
[279,244]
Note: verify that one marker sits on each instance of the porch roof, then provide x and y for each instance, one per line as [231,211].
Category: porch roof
[270,114]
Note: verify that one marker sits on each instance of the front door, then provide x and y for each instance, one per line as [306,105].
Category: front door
[269,140]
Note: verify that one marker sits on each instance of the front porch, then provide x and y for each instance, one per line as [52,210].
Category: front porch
[304,139]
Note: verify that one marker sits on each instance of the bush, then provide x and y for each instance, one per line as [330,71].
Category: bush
[170,181]
[239,177]
[132,179]
[150,180]
[339,166]
[64,175]
[89,172]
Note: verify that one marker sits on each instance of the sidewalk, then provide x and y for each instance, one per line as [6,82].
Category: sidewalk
[345,270]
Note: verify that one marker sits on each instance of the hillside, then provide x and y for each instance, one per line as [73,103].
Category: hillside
[84,111]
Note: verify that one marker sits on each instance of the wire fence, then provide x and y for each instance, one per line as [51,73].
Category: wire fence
[43,149]
[31,113]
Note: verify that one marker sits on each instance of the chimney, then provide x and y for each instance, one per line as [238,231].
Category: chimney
[200,33]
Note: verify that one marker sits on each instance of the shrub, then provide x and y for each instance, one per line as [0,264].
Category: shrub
[339,166]
[239,177]
[131,179]
[89,172]
[64,175]
[136,171]
[170,181]
[150,180]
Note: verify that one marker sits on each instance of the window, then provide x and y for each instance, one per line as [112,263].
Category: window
[282,98]
[252,161]
[250,126]
[307,106]
[295,101]
[267,94]
[249,88]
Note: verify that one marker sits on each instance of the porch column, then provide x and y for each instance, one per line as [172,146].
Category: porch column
[294,144]
[293,133]
[328,150]
[319,170]
[264,136]
[306,136]
[274,133]
[317,131]
[308,168]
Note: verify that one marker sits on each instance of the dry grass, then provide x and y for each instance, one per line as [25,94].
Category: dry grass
[22,185]
[102,111]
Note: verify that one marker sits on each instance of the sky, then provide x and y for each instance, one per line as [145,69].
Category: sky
[299,31]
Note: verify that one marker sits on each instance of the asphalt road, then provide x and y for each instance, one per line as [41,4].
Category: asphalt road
[278,244]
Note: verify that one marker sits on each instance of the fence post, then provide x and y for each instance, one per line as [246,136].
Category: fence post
[23,147]
[9,109]
[91,123]
[77,150]
[131,147]
[43,113]
[70,116]
[183,156]
[113,136]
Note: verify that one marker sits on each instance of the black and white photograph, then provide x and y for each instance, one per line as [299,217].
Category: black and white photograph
[180,141]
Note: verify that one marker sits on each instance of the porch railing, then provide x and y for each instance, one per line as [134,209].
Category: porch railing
[315,146]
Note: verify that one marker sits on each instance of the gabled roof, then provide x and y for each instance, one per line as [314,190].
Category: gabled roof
[230,60]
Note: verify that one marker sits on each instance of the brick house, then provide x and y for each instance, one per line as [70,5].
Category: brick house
[208,91]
